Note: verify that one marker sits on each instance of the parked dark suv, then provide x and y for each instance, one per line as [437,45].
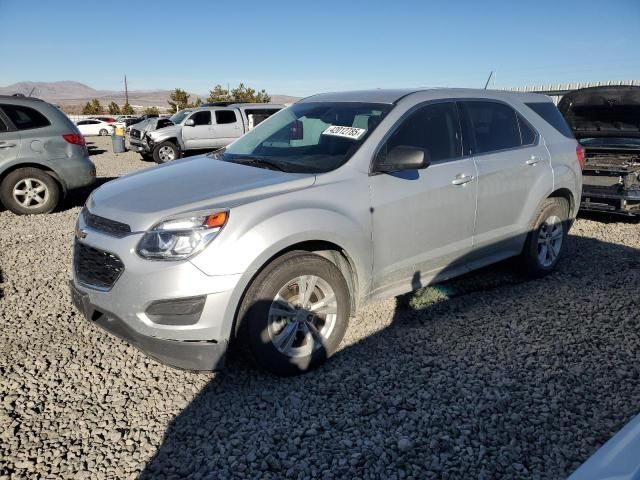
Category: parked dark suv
[42,155]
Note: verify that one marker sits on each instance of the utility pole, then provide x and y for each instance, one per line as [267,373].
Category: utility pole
[126,91]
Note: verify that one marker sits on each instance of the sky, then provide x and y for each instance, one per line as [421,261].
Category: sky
[304,47]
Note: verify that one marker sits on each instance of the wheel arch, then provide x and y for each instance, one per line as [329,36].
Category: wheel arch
[568,196]
[46,169]
[324,248]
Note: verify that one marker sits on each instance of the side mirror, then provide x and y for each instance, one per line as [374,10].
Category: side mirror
[404,157]
[189,122]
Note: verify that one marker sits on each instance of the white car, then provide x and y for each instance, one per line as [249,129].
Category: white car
[92,126]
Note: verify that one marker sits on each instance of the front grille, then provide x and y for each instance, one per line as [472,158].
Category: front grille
[134,133]
[96,268]
[104,225]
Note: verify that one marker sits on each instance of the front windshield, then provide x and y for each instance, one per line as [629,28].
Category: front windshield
[308,137]
[177,117]
[610,142]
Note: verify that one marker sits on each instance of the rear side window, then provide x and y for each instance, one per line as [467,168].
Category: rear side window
[3,126]
[494,124]
[434,128]
[225,116]
[202,118]
[25,118]
[550,114]
[527,133]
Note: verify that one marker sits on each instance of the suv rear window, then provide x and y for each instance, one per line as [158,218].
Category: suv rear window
[25,118]
[550,114]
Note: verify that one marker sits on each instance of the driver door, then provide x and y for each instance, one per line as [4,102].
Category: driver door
[196,136]
[423,220]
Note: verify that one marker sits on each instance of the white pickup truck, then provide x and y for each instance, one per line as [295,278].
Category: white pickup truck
[206,128]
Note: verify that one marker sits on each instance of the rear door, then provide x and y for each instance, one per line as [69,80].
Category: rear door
[199,134]
[228,127]
[10,141]
[514,173]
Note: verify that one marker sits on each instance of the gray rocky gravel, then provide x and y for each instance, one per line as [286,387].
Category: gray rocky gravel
[486,377]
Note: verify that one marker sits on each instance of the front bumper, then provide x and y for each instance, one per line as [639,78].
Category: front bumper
[604,200]
[137,145]
[128,306]
[199,355]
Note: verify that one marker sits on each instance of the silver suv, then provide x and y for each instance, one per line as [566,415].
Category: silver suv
[42,155]
[342,198]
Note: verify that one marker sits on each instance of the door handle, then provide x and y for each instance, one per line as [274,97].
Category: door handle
[533,160]
[461,179]
[7,145]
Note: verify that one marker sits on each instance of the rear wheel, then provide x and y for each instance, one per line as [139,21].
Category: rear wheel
[546,238]
[29,191]
[295,313]
[165,152]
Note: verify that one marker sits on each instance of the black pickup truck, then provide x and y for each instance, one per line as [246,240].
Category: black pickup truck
[606,122]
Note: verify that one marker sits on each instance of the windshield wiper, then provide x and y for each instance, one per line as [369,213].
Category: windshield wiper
[258,162]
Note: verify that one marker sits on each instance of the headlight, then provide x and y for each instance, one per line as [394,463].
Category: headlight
[180,237]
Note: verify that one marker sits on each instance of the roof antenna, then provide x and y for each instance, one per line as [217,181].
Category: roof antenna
[488,80]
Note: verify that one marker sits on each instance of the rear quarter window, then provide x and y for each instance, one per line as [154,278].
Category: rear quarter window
[550,114]
[25,118]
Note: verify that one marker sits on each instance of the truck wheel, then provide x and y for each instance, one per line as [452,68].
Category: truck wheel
[546,238]
[29,191]
[165,152]
[295,313]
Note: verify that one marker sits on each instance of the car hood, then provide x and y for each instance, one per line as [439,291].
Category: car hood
[603,111]
[169,131]
[144,198]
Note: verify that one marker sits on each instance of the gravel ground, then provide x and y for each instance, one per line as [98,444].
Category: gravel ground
[489,376]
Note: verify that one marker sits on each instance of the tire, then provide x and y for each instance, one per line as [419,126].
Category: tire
[547,238]
[161,152]
[283,336]
[39,192]
[103,132]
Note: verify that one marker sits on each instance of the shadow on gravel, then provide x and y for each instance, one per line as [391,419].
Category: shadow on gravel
[605,217]
[96,151]
[487,376]
[1,282]
[78,197]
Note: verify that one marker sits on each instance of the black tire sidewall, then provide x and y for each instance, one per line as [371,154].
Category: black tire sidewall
[156,151]
[552,206]
[7,185]
[253,313]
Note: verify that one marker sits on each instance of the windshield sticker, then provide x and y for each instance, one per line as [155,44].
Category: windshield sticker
[345,132]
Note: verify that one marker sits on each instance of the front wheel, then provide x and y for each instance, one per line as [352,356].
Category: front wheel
[295,313]
[103,132]
[547,237]
[165,152]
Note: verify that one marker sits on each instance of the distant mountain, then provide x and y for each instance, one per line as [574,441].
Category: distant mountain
[75,93]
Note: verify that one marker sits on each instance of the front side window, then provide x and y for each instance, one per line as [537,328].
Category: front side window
[25,118]
[225,116]
[494,125]
[308,137]
[201,118]
[433,128]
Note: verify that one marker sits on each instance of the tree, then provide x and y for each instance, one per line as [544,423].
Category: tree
[240,94]
[179,99]
[127,109]
[93,107]
[196,103]
[152,111]
[114,109]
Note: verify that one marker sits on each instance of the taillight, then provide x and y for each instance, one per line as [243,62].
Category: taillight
[580,155]
[74,138]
